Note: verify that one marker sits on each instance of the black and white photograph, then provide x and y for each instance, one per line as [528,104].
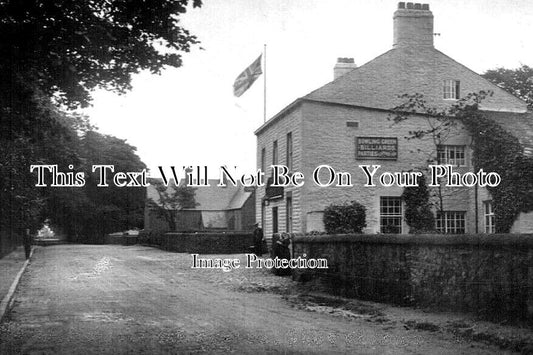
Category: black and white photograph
[266,177]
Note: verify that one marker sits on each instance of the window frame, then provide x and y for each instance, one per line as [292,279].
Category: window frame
[263,159]
[275,153]
[396,214]
[263,215]
[489,218]
[289,210]
[289,152]
[447,148]
[445,224]
[451,89]
[275,219]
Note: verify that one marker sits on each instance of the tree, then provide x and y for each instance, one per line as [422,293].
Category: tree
[345,218]
[170,200]
[53,53]
[65,48]
[518,82]
[91,212]
[31,133]
[438,126]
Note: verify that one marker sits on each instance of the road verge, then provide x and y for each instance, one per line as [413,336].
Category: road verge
[8,298]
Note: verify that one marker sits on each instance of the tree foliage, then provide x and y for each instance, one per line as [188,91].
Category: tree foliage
[52,54]
[87,214]
[345,218]
[494,150]
[40,134]
[518,82]
[83,214]
[67,47]
[437,127]
[418,214]
[170,200]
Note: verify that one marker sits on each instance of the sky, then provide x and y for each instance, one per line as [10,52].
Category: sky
[189,115]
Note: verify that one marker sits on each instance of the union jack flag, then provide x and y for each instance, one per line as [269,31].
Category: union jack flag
[247,77]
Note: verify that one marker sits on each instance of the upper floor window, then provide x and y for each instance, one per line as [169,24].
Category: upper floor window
[275,153]
[263,160]
[451,154]
[451,89]
[289,151]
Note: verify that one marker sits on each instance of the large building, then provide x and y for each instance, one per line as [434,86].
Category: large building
[347,123]
[230,208]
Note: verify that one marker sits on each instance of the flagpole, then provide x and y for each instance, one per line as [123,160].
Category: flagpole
[265,84]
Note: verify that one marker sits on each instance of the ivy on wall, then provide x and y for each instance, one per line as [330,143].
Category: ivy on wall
[494,150]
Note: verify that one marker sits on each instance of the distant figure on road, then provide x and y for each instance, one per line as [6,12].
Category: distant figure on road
[26,240]
[258,240]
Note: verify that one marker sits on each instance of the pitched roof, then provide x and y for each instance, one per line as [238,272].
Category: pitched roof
[410,70]
[405,70]
[212,197]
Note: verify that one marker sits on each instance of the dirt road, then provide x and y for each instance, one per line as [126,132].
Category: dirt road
[77,299]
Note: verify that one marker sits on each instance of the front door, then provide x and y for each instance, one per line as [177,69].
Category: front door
[274,219]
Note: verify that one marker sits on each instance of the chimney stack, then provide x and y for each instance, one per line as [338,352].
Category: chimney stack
[413,25]
[343,66]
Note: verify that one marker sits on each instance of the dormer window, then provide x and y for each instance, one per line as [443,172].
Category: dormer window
[451,89]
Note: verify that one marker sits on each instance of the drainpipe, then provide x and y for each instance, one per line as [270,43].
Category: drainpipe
[476,208]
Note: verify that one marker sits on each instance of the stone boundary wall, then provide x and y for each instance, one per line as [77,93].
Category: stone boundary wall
[490,275]
[207,243]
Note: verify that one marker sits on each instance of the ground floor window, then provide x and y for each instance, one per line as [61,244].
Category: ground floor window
[451,222]
[490,226]
[289,215]
[263,216]
[390,215]
[274,219]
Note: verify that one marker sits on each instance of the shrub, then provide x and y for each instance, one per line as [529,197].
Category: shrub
[418,214]
[345,218]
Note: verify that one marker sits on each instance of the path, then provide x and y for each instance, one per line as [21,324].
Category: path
[80,299]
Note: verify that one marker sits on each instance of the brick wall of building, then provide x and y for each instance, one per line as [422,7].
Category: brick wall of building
[291,122]
[423,71]
[523,224]
[328,141]
[322,136]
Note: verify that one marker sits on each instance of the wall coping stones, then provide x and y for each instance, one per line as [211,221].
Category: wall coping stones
[497,240]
